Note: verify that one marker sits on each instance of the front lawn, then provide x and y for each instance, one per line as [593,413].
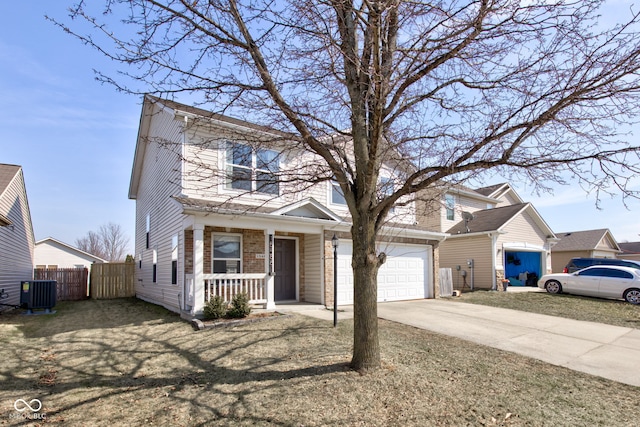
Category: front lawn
[125,362]
[611,312]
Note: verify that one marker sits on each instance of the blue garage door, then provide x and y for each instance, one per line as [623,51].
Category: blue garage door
[523,268]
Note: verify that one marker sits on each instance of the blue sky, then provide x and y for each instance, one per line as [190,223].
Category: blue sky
[75,138]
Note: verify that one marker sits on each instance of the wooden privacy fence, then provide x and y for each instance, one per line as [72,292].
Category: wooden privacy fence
[113,280]
[72,282]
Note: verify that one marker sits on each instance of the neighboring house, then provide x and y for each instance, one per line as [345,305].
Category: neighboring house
[52,253]
[583,244]
[630,250]
[16,233]
[494,236]
[200,233]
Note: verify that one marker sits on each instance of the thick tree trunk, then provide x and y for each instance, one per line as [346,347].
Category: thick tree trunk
[366,346]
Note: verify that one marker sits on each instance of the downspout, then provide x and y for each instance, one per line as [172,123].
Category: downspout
[494,239]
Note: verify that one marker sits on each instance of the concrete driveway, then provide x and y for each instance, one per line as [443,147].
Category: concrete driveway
[611,352]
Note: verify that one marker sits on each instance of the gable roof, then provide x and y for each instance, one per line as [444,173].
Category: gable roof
[308,208]
[488,191]
[498,191]
[7,173]
[630,247]
[69,248]
[496,219]
[488,219]
[584,240]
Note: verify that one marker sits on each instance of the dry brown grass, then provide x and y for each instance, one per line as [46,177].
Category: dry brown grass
[611,312]
[125,362]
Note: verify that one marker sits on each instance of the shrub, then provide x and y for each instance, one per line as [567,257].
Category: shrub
[216,308]
[239,306]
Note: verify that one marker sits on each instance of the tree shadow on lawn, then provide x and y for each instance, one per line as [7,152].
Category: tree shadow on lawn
[72,316]
[124,367]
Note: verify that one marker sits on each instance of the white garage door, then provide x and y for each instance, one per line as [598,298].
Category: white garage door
[403,276]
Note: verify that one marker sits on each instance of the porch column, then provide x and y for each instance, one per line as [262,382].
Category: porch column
[198,268]
[269,236]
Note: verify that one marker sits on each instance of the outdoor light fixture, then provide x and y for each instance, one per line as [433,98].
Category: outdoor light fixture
[334,243]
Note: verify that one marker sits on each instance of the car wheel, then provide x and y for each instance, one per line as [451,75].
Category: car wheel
[553,287]
[632,296]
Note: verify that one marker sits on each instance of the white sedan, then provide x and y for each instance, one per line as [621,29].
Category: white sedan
[603,281]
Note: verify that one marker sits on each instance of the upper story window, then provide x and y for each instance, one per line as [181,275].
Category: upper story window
[251,169]
[386,189]
[450,204]
[337,197]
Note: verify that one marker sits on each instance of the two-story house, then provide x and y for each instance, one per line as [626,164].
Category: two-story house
[494,237]
[219,211]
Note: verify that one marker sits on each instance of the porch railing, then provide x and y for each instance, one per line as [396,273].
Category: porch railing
[229,285]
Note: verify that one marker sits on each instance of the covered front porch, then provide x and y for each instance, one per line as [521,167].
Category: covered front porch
[274,258]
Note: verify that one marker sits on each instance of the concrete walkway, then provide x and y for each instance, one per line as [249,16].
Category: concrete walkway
[611,352]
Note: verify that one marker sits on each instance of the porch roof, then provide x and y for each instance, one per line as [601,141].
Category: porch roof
[296,213]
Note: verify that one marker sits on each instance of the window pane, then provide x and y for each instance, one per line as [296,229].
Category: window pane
[450,204]
[226,247]
[267,183]
[337,198]
[226,267]
[238,154]
[267,160]
[239,178]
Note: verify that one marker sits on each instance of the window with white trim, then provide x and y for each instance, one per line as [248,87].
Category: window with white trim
[337,196]
[386,189]
[251,169]
[450,204]
[174,260]
[148,227]
[227,253]
[155,266]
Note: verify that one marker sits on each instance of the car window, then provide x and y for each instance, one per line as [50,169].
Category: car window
[630,264]
[582,263]
[592,272]
[610,272]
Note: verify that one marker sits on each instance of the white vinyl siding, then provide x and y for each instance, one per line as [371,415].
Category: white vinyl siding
[16,240]
[160,179]
[49,252]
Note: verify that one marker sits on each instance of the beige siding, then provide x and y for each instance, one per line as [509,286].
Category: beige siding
[159,180]
[508,199]
[560,259]
[433,214]
[16,240]
[456,251]
[523,229]
[313,265]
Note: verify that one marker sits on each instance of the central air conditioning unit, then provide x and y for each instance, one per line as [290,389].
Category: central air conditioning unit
[38,294]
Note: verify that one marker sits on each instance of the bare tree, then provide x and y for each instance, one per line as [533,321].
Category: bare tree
[91,243]
[109,243]
[460,90]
